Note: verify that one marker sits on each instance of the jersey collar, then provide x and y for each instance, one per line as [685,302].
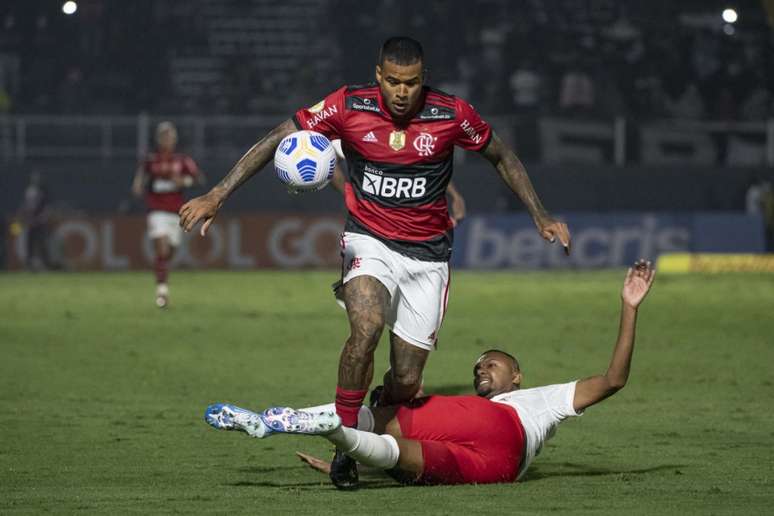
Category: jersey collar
[386,113]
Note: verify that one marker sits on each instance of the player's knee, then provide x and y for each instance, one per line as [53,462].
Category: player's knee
[406,378]
[367,332]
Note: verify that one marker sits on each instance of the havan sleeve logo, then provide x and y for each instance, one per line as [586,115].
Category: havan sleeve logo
[470,131]
[322,115]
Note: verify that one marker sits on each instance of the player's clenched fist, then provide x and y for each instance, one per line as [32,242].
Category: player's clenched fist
[203,208]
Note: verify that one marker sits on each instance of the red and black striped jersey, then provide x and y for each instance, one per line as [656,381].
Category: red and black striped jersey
[161,168]
[397,172]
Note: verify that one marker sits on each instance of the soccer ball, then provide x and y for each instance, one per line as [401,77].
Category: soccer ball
[304,161]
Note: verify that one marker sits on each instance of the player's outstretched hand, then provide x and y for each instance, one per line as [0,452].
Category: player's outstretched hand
[313,462]
[203,208]
[551,229]
[637,283]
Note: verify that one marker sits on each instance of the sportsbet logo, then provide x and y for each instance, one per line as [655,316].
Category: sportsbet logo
[394,187]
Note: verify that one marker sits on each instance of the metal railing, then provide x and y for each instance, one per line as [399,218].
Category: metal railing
[619,141]
[24,137]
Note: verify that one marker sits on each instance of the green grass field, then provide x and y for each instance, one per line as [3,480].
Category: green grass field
[102,394]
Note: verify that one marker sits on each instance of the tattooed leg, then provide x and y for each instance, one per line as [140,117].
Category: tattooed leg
[366,300]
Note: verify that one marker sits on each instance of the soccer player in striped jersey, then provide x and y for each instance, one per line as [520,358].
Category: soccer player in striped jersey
[398,136]
[161,178]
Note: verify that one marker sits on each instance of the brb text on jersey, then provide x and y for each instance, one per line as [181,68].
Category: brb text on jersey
[397,172]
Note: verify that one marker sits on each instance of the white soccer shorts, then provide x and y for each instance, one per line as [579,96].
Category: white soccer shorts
[165,224]
[419,290]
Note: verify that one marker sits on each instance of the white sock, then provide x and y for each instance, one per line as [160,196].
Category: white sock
[365,418]
[377,451]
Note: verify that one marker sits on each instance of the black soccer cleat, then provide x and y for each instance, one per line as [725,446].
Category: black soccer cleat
[344,472]
[375,396]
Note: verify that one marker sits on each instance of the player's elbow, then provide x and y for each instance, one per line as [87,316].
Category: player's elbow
[616,383]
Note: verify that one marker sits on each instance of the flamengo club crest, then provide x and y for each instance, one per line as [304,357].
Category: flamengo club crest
[397,140]
[425,144]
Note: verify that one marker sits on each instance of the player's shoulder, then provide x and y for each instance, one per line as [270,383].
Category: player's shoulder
[531,392]
[439,96]
[367,88]
[362,97]
[557,395]
[438,106]
[458,103]
[149,159]
[189,164]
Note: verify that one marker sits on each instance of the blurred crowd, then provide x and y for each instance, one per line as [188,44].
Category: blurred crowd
[594,58]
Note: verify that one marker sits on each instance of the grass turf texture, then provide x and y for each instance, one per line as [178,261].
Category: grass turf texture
[102,394]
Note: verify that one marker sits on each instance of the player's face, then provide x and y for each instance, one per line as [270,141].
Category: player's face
[401,87]
[167,140]
[494,374]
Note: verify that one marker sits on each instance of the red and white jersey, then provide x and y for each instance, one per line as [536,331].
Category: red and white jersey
[162,193]
[398,171]
[540,410]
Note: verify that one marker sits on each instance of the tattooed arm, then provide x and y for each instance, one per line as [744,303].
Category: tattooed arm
[205,207]
[515,176]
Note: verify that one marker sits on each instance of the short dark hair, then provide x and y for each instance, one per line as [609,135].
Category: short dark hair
[513,358]
[401,50]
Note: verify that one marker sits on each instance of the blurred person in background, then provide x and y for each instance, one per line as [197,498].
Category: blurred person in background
[759,200]
[526,87]
[5,101]
[161,178]
[34,217]
[576,91]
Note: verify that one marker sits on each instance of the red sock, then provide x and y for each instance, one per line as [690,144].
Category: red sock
[161,269]
[348,405]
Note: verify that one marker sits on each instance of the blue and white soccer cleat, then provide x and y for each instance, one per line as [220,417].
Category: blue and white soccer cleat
[286,420]
[291,421]
[225,416]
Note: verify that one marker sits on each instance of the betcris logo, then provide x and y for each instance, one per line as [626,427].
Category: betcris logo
[598,241]
[376,183]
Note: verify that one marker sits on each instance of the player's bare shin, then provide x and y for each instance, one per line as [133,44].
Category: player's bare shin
[514,174]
